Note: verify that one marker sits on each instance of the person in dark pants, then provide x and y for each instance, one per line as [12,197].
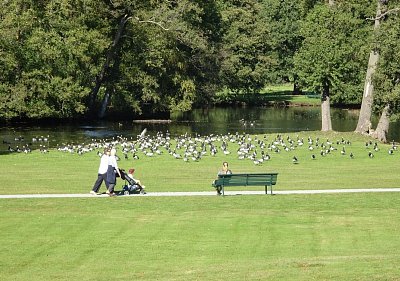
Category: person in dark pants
[111,172]
[224,171]
[102,172]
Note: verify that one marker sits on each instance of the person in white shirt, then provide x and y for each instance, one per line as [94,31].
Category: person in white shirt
[102,172]
[111,172]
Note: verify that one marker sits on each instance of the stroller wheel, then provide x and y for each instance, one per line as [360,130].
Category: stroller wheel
[126,192]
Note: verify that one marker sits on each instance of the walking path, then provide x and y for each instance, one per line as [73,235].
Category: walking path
[203,193]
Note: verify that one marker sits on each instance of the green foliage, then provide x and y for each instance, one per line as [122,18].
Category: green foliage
[58,58]
[245,47]
[332,51]
[48,67]
[283,18]
[171,64]
[387,77]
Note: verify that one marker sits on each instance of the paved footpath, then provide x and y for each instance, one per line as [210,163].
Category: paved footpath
[204,193]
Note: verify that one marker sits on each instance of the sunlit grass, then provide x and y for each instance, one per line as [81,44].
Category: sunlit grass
[282,237]
[288,237]
[281,94]
[58,172]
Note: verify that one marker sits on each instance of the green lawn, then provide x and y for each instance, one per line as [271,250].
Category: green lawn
[282,237]
[287,237]
[271,95]
[59,172]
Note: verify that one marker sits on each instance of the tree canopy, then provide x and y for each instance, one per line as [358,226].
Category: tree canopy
[74,58]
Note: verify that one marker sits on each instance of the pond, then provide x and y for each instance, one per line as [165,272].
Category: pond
[253,120]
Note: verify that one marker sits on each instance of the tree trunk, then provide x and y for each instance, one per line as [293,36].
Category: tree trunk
[364,119]
[104,104]
[296,89]
[325,100]
[109,59]
[326,109]
[383,126]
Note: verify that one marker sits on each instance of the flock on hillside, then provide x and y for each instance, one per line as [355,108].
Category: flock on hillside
[257,149]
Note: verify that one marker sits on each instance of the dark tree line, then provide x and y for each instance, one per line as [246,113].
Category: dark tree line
[75,58]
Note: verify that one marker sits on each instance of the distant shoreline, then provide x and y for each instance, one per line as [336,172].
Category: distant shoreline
[152,121]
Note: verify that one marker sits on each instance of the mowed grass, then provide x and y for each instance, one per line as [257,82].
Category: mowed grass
[282,237]
[272,94]
[63,172]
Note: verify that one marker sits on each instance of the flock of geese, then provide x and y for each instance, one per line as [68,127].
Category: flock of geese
[188,148]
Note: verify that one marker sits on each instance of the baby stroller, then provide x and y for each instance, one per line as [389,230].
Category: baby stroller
[130,186]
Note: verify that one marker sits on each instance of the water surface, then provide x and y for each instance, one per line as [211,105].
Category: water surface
[253,120]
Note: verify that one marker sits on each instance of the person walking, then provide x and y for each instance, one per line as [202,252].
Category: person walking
[102,172]
[112,170]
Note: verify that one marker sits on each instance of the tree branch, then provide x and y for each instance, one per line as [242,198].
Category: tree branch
[391,11]
[153,22]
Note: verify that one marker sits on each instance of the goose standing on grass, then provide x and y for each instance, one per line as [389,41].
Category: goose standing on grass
[394,146]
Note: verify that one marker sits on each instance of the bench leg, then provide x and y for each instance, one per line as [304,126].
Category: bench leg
[223,191]
[266,189]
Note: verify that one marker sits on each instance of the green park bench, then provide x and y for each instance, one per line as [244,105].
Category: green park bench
[259,179]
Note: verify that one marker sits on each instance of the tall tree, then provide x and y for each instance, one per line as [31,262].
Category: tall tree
[167,56]
[49,47]
[364,121]
[246,48]
[329,58]
[387,76]
[283,19]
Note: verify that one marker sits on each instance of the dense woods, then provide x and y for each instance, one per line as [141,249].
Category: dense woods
[89,58]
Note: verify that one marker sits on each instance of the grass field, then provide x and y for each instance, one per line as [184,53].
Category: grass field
[296,237]
[63,172]
[282,237]
[272,95]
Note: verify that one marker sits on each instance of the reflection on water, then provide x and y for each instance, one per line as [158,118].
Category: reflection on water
[200,121]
